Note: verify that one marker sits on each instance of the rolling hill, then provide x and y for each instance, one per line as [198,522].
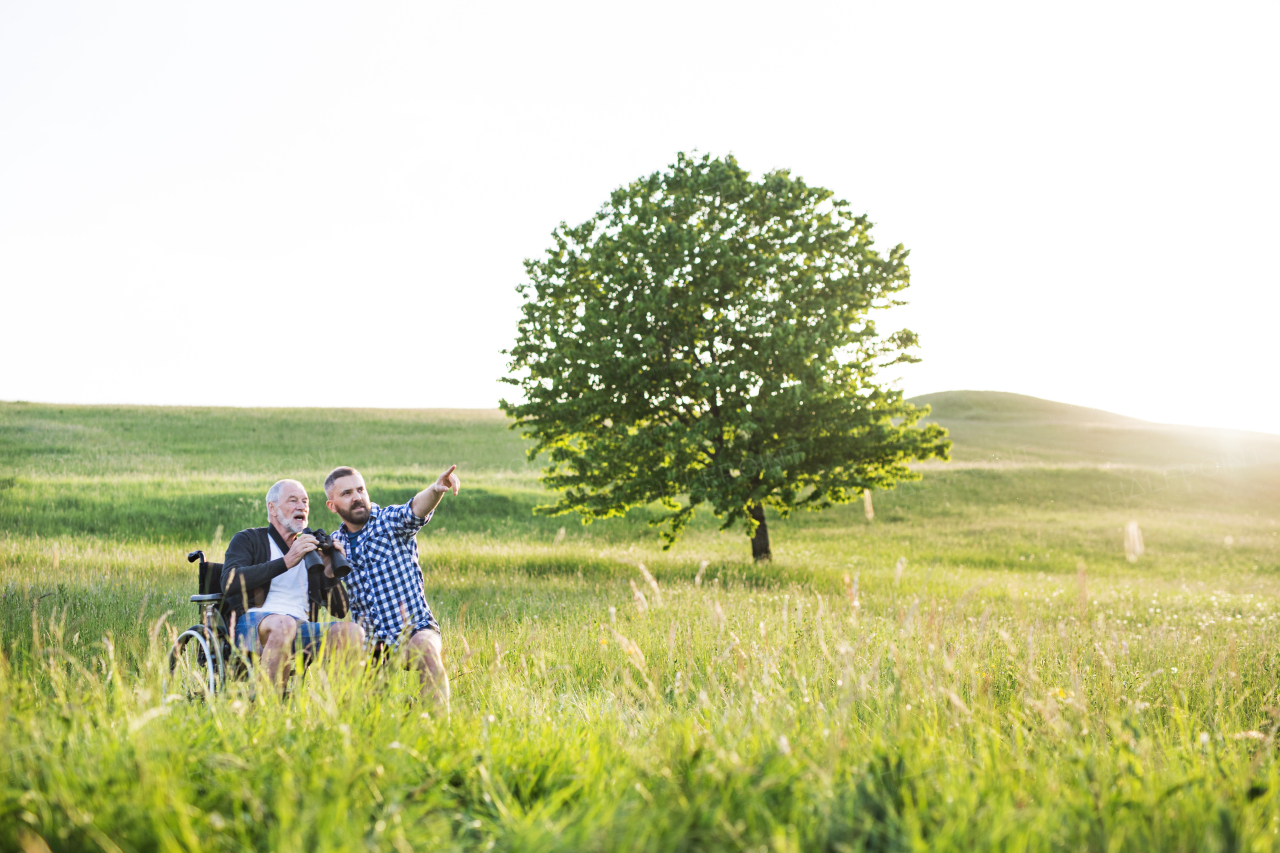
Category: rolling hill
[998,427]
[987,427]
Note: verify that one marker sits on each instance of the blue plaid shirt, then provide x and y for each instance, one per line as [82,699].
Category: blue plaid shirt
[384,589]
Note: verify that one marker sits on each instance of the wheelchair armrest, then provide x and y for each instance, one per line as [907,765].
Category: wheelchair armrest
[198,599]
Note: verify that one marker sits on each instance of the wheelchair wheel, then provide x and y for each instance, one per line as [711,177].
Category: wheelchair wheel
[197,665]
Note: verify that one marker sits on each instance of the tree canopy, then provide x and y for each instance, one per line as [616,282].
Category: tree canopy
[705,340]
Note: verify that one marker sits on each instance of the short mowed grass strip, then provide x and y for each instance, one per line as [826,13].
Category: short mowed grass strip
[979,668]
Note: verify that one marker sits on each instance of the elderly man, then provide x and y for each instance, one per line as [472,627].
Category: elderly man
[271,600]
[385,584]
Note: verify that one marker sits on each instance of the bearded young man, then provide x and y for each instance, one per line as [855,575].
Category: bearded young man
[271,601]
[385,586]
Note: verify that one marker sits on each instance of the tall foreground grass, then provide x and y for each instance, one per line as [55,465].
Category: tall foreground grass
[904,709]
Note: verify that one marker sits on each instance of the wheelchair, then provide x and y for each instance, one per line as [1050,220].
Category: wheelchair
[203,656]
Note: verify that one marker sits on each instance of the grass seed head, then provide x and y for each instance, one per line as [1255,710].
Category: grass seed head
[642,604]
[653,585]
[1133,548]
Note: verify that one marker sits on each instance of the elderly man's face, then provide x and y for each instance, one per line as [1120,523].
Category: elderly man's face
[292,509]
[349,499]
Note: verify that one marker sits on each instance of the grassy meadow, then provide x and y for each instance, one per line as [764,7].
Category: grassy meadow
[979,667]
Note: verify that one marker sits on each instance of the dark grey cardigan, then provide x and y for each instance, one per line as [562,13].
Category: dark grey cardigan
[247,572]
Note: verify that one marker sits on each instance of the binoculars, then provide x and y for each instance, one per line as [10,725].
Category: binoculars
[324,543]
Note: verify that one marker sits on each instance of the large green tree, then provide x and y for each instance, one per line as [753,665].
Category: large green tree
[704,340]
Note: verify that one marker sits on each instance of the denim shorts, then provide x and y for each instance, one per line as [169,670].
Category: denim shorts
[309,637]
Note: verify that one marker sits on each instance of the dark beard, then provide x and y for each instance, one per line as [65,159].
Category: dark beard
[356,514]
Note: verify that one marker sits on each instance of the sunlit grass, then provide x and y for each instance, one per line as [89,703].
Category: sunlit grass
[979,708]
[980,668]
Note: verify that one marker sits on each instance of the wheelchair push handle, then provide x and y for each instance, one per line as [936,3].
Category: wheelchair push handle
[195,555]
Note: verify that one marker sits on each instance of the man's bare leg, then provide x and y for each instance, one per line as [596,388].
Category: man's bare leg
[275,634]
[344,644]
[424,651]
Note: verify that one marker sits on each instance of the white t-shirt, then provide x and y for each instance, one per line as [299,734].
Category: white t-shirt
[288,593]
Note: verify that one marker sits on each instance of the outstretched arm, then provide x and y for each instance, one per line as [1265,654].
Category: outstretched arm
[425,501]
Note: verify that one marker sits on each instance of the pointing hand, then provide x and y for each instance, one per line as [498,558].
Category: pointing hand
[449,481]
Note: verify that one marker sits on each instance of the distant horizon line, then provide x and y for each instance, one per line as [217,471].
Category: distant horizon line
[496,410]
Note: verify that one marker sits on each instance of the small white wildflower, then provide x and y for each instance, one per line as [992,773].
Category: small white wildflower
[784,746]
[1204,738]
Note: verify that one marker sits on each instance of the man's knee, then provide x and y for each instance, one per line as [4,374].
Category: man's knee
[426,646]
[346,634]
[277,631]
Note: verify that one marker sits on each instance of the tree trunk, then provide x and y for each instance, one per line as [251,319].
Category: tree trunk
[760,542]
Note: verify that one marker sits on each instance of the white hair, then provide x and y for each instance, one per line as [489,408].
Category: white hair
[273,493]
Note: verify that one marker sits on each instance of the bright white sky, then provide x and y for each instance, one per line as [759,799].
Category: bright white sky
[325,203]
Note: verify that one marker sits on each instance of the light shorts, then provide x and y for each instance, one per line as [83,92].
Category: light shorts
[309,638]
